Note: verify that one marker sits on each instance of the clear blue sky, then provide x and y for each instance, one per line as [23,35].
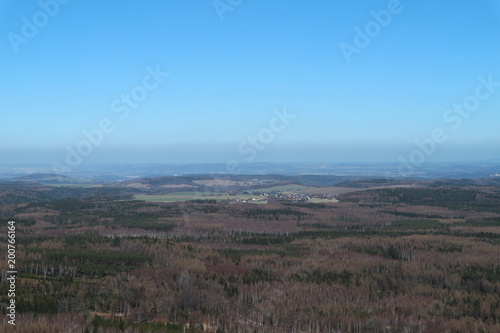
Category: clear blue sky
[227,76]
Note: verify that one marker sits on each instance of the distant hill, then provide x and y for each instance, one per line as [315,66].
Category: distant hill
[232,181]
[46,178]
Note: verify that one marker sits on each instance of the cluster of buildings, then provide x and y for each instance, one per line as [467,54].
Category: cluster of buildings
[276,196]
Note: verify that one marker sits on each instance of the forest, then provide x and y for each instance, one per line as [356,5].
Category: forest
[424,258]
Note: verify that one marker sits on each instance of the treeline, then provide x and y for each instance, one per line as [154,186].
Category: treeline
[450,198]
[272,214]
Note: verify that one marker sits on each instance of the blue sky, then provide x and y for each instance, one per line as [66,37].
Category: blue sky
[228,77]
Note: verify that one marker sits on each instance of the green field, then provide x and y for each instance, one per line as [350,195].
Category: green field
[317,200]
[186,196]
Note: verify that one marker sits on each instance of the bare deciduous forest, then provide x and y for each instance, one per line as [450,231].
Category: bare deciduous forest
[422,259]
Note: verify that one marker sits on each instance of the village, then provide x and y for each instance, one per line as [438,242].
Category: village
[274,196]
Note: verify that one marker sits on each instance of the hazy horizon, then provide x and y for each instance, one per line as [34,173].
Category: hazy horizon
[406,82]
